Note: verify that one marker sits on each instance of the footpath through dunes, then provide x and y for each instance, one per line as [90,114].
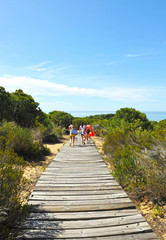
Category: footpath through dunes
[77,198]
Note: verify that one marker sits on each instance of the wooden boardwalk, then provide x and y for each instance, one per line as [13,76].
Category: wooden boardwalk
[77,198]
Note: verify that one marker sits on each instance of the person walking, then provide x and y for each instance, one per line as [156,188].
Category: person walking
[73,133]
[82,132]
[88,130]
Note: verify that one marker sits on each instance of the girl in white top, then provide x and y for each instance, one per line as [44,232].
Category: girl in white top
[72,136]
[82,132]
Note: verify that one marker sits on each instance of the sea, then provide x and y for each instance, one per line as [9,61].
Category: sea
[152,116]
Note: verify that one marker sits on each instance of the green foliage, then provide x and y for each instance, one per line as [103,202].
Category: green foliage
[16,144]
[43,119]
[102,116]
[156,211]
[21,108]
[138,157]
[25,109]
[130,119]
[61,118]
[161,125]
[11,175]
[50,134]
[21,140]
[11,184]
[6,105]
[126,166]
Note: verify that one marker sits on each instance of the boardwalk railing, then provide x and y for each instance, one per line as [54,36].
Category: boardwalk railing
[77,198]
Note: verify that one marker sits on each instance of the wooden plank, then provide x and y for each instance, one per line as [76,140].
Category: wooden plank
[76,174]
[72,188]
[83,224]
[78,163]
[135,236]
[81,197]
[90,232]
[78,202]
[77,192]
[73,181]
[76,170]
[82,215]
[87,207]
[72,178]
[93,184]
[81,161]
[78,167]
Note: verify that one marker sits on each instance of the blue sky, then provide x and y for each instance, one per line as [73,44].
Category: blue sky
[85,55]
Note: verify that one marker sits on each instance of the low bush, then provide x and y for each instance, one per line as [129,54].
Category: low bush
[17,146]
[51,134]
[11,184]
[138,158]
[22,141]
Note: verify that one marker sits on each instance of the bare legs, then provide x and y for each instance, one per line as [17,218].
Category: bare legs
[83,138]
[72,139]
[87,137]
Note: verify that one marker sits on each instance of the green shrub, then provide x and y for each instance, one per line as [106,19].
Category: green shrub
[156,211]
[11,184]
[127,169]
[133,117]
[138,157]
[21,140]
[51,138]
[51,134]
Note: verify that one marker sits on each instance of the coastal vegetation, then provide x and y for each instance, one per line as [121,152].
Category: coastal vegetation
[134,147]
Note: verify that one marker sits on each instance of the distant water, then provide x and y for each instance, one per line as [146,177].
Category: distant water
[152,116]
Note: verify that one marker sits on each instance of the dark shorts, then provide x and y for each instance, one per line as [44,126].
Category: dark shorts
[88,130]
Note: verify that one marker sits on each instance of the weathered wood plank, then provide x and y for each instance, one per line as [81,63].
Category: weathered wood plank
[76,174]
[90,232]
[72,182]
[67,188]
[82,215]
[79,202]
[86,184]
[76,170]
[76,192]
[80,161]
[84,207]
[83,224]
[81,197]
[74,179]
[135,236]
[77,165]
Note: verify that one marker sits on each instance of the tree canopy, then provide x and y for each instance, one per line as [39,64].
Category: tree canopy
[131,118]
[20,108]
[61,118]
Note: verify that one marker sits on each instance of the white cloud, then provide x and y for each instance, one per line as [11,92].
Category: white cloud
[36,67]
[145,52]
[135,55]
[47,67]
[38,87]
